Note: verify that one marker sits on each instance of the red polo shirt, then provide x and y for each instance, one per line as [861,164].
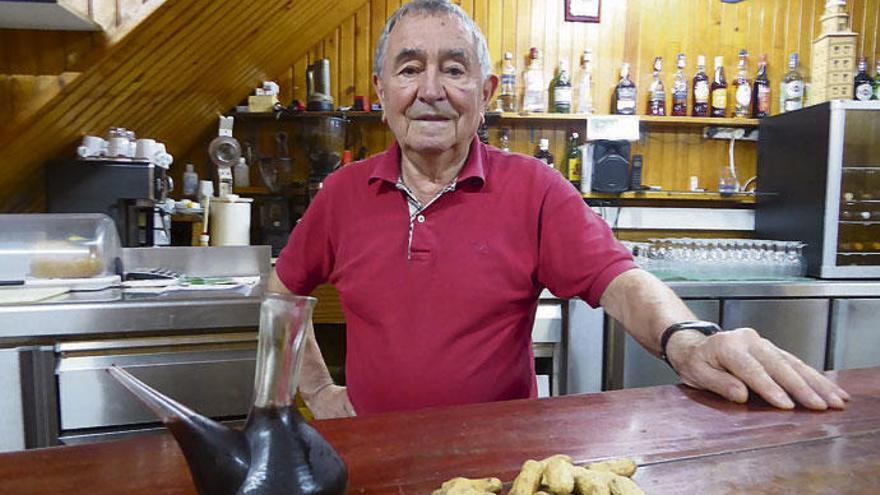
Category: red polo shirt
[449,322]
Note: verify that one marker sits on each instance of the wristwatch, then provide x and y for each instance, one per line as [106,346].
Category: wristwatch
[705,327]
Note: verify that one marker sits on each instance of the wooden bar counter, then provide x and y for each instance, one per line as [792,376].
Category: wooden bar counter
[685,442]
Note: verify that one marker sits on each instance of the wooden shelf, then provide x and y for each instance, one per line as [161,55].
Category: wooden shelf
[738,198]
[253,190]
[643,119]
[244,116]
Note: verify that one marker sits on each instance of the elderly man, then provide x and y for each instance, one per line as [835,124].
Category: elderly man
[440,246]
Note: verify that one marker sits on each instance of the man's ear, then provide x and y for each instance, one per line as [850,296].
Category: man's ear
[489,86]
[380,92]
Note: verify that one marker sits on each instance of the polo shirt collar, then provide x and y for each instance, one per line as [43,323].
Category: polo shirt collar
[387,167]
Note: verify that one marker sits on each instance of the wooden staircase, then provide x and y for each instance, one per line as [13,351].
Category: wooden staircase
[165,75]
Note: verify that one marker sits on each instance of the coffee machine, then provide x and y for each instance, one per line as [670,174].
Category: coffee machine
[324,141]
[130,191]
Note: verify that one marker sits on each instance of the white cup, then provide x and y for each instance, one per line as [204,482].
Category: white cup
[92,146]
[146,149]
[119,147]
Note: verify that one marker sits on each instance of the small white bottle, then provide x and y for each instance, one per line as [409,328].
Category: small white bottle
[241,176]
[190,181]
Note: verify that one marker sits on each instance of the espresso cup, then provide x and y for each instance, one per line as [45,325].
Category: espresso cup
[146,149]
[92,146]
[119,147]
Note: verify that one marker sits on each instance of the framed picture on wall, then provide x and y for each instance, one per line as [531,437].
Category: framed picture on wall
[582,10]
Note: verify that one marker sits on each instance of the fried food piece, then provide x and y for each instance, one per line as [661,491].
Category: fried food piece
[529,478]
[621,485]
[465,486]
[588,482]
[562,457]
[621,467]
[557,476]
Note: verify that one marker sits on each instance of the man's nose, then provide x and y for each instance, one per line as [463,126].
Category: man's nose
[431,87]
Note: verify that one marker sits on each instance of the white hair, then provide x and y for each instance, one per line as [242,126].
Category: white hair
[432,7]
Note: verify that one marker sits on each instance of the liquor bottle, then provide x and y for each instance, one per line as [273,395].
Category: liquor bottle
[791,93]
[573,160]
[561,89]
[742,89]
[680,89]
[761,93]
[534,96]
[877,81]
[507,97]
[656,91]
[625,93]
[719,90]
[543,152]
[504,145]
[701,89]
[862,84]
[585,84]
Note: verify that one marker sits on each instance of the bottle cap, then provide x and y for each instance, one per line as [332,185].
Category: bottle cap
[346,157]
[508,56]
[189,167]
[701,60]
[544,143]
[719,61]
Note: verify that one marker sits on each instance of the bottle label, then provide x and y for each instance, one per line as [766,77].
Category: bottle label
[508,84]
[719,98]
[533,99]
[680,91]
[764,99]
[562,95]
[744,95]
[863,92]
[574,170]
[626,100]
[794,89]
[701,92]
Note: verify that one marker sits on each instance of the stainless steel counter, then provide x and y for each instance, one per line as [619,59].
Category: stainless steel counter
[112,311]
[759,289]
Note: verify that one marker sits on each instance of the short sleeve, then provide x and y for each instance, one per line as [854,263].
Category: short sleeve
[307,259]
[578,254]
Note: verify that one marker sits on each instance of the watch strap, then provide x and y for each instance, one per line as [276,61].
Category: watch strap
[705,327]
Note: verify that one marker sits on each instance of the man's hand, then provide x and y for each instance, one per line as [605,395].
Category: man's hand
[730,363]
[331,401]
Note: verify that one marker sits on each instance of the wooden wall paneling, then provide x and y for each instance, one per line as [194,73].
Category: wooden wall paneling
[363,56]
[523,42]
[331,52]
[299,79]
[115,80]
[346,64]
[160,114]
[377,24]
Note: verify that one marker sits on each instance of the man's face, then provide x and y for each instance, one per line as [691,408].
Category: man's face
[431,88]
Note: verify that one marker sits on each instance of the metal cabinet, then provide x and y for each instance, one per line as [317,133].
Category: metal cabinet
[212,374]
[27,405]
[629,365]
[796,325]
[854,338]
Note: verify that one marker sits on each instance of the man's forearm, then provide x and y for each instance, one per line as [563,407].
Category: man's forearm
[645,305]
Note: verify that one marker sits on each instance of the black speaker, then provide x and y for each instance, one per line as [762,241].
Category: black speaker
[611,166]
